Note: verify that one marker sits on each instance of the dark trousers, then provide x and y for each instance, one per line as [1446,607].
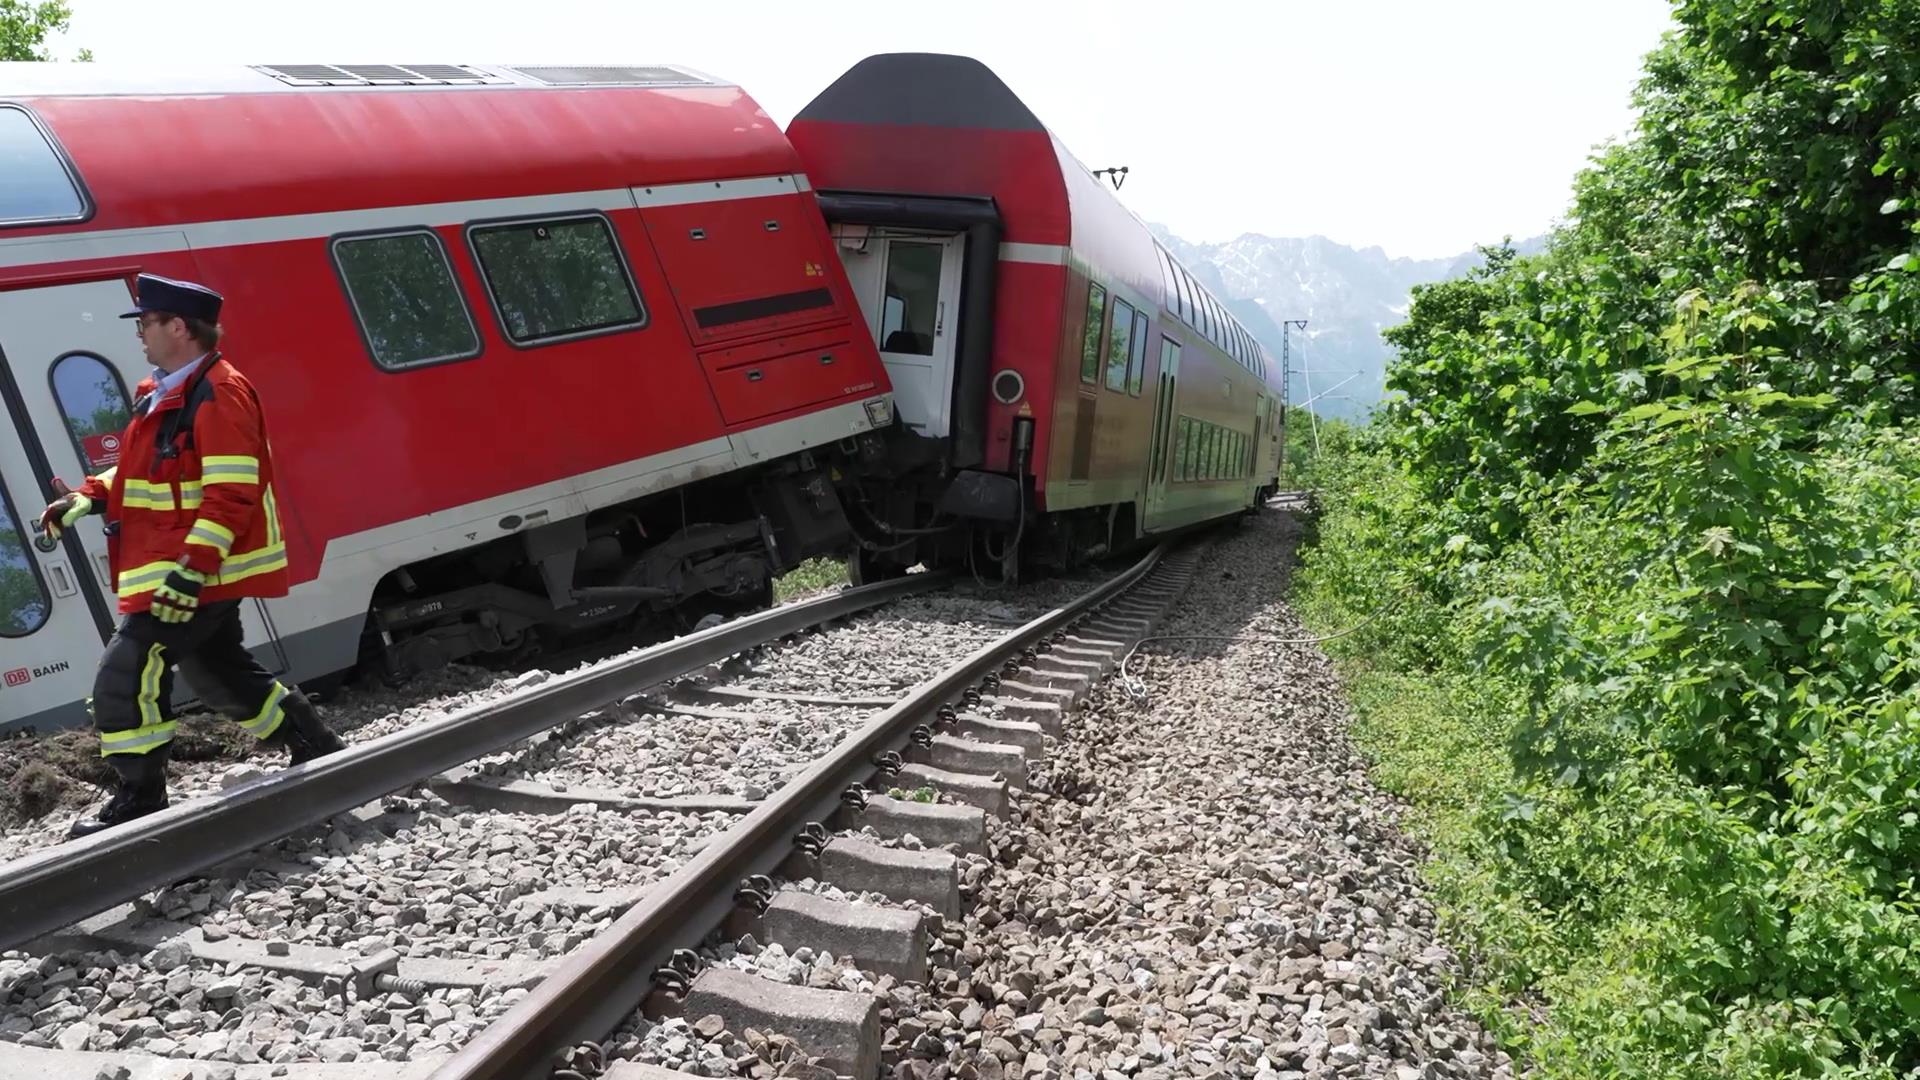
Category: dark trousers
[133,690]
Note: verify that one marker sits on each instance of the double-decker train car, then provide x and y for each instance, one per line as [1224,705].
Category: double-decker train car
[1064,385]
[543,350]
[549,351]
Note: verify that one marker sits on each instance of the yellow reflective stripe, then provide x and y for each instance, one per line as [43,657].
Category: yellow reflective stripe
[273,516]
[271,713]
[145,578]
[229,469]
[145,495]
[248,564]
[154,729]
[212,534]
[138,741]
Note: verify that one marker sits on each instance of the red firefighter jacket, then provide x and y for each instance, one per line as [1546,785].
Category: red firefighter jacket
[198,493]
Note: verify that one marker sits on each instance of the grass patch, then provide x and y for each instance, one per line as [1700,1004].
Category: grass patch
[812,576]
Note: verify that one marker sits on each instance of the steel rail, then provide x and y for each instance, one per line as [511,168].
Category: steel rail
[62,885]
[599,984]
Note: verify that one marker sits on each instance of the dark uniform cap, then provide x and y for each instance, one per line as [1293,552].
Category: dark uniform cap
[176,298]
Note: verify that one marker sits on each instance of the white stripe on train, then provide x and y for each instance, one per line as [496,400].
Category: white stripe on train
[239,232]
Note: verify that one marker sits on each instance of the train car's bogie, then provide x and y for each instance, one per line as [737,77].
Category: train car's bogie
[672,563]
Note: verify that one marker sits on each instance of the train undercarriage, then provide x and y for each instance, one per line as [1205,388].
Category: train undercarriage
[661,564]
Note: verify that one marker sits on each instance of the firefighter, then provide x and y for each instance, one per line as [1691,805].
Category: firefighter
[192,531]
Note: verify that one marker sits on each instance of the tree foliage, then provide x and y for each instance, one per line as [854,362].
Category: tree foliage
[24,27]
[1646,502]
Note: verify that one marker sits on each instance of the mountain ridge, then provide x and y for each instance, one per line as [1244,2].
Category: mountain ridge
[1346,294]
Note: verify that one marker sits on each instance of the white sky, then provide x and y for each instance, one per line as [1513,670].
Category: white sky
[1422,126]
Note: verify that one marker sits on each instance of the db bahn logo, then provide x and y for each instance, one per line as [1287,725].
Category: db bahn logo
[23,676]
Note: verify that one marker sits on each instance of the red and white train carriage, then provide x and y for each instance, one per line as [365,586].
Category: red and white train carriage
[1057,370]
[552,349]
[539,347]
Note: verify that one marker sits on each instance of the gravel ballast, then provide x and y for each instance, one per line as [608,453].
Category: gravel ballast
[168,1004]
[433,881]
[1205,882]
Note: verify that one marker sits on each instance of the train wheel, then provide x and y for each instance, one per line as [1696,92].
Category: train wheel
[710,609]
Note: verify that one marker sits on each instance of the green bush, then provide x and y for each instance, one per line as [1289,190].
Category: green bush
[1634,543]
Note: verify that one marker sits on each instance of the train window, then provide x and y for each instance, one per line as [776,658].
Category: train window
[1096,321]
[24,603]
[1185,307]
[1137,362]
[1119,342]
[93,402]
[36,183]
[557,279]
[1182,451]
[912,298]
[402,290]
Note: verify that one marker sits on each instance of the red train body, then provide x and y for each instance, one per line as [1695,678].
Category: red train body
[1077,385]
[549,351]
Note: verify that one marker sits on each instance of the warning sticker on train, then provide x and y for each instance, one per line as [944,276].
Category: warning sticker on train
[103,451]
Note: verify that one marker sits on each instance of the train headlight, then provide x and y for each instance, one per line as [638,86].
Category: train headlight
[879,412]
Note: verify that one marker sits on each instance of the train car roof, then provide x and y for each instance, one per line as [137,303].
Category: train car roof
[1045,193]
[34,79]
[930,89]
[282,142]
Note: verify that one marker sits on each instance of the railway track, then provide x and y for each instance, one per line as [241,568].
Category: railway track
[576,912]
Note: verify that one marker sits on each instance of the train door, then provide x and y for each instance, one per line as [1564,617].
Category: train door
[909,289]
[49,639]
[1157,458]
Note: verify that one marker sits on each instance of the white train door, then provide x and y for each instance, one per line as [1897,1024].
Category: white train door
[49,637]
[909,290]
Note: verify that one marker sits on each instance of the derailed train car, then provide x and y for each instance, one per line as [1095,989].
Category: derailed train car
[552,352]
[544,351]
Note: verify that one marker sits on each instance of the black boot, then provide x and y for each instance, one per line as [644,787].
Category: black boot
[303,733]
[140,788]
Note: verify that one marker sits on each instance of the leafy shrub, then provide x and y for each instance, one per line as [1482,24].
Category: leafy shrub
[1636,539]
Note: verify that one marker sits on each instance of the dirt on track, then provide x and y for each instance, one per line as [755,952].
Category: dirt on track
[50,774]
